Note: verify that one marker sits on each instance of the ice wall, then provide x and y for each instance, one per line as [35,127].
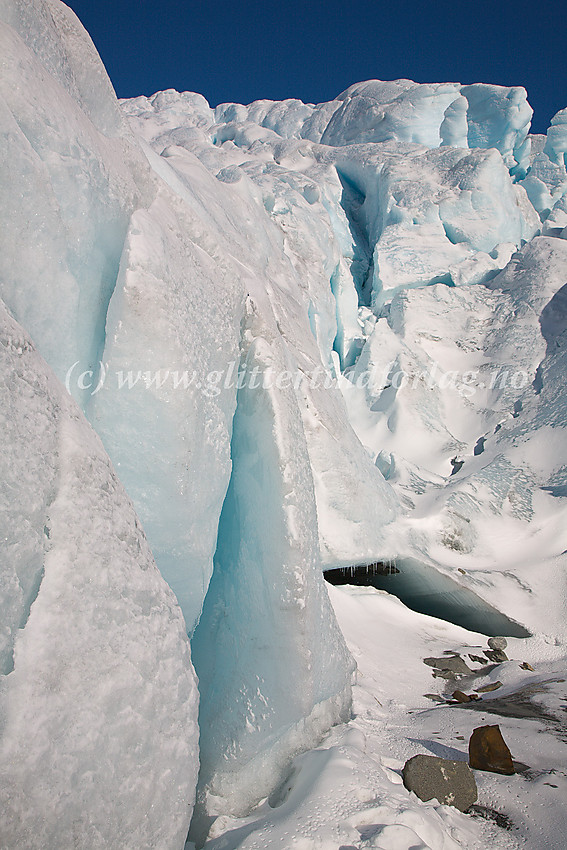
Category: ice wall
[133,288]
[164,412]
[98,699]
[412,188]
[464,411]
[267,690]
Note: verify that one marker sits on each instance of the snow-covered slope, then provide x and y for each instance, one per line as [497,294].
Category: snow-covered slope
[308,336]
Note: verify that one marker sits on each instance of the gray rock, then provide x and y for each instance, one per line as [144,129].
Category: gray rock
[450,782]
[497,642]
[453,663]
[445,674]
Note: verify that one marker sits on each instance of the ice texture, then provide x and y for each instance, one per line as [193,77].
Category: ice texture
[72,176]
[556,144]
[404,210]
[430,114]
[170,438]
[98,699]
[266,689]
[474,116]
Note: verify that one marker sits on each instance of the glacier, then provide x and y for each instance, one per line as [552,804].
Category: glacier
[242,345]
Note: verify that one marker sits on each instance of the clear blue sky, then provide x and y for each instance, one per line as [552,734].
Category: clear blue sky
[243,51]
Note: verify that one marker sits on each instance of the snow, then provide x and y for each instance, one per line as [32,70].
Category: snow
[348,792]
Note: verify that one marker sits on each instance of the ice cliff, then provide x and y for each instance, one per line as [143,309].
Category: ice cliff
[284,326]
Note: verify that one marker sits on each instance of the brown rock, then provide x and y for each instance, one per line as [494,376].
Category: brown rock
[487,688]
[496,655]
[488,751]
[525,666]
[460,696]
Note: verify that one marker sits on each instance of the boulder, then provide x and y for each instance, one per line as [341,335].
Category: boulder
[488,751]
[450,782]
[525,665]
[497,643]
[445,674]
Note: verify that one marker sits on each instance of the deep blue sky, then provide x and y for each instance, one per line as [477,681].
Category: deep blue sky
[313,50]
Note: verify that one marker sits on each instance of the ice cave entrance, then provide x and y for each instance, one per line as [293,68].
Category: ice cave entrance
[422,588]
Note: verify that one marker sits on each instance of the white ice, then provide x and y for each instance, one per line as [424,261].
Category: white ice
[98,698]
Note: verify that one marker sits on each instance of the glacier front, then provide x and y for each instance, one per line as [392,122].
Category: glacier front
[240,346]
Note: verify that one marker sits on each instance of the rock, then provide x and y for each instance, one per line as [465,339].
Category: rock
[450,782]
[460,696]
[497,655]
[478,658]
[445,674]
[488,751]
[525,666]
[453,663]
[435,697]
[487,688]
[497,643]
